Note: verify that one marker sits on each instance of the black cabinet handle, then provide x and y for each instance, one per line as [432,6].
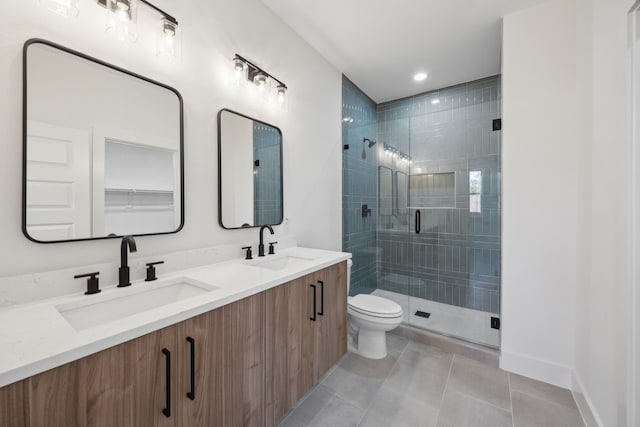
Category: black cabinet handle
[418,215]
[167,409]
[321,312]
[191,394]
[313,288]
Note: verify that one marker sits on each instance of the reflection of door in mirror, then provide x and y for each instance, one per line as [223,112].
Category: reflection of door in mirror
[238,171]
[385,191]
[58,192]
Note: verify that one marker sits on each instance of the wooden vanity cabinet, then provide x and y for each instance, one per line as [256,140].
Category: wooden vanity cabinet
[126,385]
[252,361]
[303,340]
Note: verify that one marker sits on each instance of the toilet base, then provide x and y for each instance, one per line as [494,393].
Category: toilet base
[372,344]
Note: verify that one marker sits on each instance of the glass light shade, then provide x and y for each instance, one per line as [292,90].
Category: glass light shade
[169,40]
[260,80]
[122,19]
[68,8]
[281,97]
[239,72]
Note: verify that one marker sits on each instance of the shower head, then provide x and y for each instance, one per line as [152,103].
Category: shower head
[371,143]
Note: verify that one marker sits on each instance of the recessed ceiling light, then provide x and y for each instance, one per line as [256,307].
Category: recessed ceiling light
[435,101]
[420,77]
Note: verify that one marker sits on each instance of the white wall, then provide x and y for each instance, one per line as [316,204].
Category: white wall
[544,150]
[566,200]
[602,321]
[213,32]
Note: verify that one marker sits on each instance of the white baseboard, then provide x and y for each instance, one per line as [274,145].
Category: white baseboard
[589,416]
[537,369]
[553,373]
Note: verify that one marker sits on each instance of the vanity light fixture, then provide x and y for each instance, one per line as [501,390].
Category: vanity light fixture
[122,20]
[393,152]
[246,70]
[68,8]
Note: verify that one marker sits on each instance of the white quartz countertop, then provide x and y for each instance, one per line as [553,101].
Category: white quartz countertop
[36,337]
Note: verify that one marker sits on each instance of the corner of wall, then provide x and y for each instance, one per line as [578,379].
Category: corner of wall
[585,405]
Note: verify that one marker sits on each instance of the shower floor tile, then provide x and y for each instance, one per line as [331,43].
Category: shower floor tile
[464,323]
[444,383]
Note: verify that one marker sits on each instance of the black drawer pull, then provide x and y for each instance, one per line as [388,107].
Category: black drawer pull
[418,215]
[191,394]
[321,312]
[167,409]
[313,288]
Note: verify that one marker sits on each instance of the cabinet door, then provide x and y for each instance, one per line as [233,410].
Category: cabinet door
[243,397]
[331,328]
[57,397]
[204,407]
[109,394]
[289,346]
[150,389]
[14,404]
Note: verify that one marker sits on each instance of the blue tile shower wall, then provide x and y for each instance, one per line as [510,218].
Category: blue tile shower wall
[456,258]
[268,188]
[360,181]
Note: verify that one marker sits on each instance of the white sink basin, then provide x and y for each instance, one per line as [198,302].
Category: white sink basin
[94,310]
[280,262]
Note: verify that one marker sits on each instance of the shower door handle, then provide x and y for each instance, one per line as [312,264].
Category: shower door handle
[417,221]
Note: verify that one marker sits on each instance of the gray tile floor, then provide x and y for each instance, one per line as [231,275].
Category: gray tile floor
[435,384]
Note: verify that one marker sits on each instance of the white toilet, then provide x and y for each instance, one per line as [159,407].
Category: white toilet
[370,317]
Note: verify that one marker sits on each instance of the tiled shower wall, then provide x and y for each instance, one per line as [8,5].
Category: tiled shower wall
[456,257]
[360,178]
[268,185]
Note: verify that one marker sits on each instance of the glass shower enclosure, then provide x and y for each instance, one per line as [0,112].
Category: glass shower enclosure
[437,241]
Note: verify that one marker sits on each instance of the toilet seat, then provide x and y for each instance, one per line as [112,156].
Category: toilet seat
[371,305]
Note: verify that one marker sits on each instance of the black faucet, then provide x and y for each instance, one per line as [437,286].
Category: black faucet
[128,244]
[261,245]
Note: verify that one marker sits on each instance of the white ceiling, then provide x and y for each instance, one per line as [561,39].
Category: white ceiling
[381,44]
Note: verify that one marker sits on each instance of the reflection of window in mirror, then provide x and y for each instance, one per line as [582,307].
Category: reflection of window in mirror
[475,191]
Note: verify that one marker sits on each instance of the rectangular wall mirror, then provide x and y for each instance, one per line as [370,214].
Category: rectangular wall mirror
[249,171]
[103,149]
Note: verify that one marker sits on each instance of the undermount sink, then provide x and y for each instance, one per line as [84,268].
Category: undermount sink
[96,310]
[280,262]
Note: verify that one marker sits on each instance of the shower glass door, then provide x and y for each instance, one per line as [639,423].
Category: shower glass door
[454,200]
[440,247]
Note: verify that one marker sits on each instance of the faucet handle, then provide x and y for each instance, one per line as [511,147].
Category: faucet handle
[151,271]
[92,282]
[248,255]
[271,248]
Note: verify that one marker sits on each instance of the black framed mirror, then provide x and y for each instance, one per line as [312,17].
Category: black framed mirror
[102,149]
[249,172]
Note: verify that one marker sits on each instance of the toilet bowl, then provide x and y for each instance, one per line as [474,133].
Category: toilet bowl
[370,317]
